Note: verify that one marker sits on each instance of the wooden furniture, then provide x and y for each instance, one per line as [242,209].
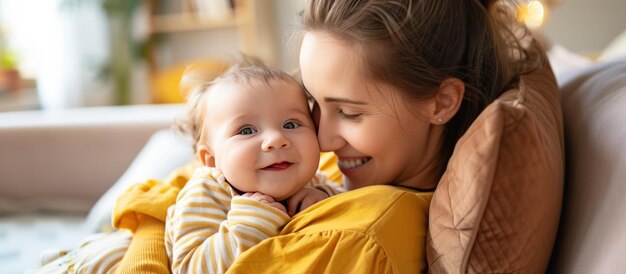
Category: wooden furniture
[187,31]
[182,31]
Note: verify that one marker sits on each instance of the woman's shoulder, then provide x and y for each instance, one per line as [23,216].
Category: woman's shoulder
[367,209]
[371,229]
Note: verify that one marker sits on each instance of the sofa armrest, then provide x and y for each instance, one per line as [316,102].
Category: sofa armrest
[68,158]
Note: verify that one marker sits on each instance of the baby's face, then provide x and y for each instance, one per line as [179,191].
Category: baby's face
[262,137]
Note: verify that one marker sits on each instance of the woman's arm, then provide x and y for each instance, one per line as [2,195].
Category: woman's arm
[376,229]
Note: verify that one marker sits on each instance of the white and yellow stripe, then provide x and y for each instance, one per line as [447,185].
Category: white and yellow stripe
[210,226]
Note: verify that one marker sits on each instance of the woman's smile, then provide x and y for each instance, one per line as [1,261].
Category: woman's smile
[351,163]
[350,166]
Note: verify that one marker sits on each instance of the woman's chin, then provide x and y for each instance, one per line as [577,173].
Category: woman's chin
[351,184]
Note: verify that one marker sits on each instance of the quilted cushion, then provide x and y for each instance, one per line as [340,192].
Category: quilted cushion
[497,206]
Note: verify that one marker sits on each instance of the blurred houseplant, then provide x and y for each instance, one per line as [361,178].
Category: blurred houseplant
[9,75]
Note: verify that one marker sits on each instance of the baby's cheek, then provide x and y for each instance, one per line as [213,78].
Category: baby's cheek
[239,177]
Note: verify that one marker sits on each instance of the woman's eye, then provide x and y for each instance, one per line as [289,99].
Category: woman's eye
[247,131]
[291,125]
[349,116]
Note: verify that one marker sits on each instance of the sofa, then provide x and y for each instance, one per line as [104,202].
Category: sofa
[55,165]
[591,237]
[61,171]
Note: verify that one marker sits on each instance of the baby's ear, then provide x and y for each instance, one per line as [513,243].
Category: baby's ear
[448,100]
[205,155]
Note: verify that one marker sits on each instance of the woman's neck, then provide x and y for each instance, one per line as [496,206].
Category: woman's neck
[427,176]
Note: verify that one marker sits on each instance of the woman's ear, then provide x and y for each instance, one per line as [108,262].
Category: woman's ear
[205,155]
[448,100]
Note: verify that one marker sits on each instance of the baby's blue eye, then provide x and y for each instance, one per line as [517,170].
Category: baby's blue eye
[291,125]
[247,131]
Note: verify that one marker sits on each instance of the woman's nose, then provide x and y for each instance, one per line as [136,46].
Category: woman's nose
[274,139]
[328,135]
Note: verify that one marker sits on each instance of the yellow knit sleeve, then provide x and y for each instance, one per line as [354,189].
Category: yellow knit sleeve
[151,198]
[142,209]
[146,253]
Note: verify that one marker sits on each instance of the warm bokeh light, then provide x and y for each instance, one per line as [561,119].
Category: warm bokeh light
[532,14]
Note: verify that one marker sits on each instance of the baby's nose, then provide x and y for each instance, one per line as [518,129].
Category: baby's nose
[274,140]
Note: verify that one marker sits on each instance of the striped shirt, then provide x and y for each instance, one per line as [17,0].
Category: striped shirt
[210,225]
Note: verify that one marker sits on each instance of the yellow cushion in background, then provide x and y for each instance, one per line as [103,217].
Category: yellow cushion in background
[496,208]
[165,83]
[328,166]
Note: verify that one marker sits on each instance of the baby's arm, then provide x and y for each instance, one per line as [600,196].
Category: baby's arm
[266,199]
[204,236]
[321,182]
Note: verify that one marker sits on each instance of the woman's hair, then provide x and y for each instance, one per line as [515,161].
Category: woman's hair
[197,82]
[416,44]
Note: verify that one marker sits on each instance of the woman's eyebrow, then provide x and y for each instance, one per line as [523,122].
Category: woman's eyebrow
[343,100]
[333,99]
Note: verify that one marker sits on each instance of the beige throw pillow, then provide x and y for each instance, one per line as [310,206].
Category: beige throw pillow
[497,206]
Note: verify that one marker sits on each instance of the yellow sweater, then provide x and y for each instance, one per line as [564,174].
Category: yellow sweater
[211,225]
[373,229]
[376,229]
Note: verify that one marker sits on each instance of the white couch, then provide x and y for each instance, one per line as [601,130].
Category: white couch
[592,232]
[55,165]
[66,162]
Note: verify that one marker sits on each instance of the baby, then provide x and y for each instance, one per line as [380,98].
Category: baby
[257,142]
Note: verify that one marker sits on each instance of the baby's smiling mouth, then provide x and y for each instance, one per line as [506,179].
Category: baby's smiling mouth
[277,166]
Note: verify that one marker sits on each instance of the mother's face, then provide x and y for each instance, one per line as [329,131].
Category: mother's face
[378,138]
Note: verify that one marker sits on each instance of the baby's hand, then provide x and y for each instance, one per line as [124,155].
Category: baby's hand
[306,197]
[265,199]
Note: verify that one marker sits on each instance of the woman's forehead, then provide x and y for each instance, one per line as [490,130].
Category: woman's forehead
[325,56]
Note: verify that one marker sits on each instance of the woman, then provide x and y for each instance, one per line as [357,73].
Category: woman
[395,84]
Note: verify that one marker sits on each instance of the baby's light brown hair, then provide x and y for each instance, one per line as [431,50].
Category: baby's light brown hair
[197,82]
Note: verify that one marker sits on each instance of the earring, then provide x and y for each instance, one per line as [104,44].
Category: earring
[440,120]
